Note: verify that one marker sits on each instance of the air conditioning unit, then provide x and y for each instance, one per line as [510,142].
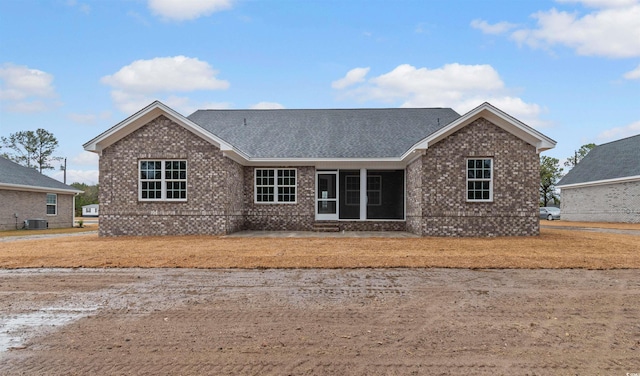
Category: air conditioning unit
[36,224]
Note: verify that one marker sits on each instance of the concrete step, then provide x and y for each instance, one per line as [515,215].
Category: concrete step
[326,226]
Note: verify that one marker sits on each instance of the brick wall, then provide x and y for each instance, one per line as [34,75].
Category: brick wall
[33,205]
[214,193]
[414,197]
[514,210]
[602,203]
[279,217]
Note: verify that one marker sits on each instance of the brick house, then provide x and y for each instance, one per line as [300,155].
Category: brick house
[428,171]
[27,194]
[605,185]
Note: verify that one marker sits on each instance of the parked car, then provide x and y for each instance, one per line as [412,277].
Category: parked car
[549,213]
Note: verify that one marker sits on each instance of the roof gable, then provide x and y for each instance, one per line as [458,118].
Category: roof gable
[257,137]
[614,161]
[497,117]
[142,117]
[16,177]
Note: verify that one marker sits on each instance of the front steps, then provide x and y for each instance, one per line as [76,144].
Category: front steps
[326,226]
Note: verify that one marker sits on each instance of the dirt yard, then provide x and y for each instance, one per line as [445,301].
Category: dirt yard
[321,306]
[319,322]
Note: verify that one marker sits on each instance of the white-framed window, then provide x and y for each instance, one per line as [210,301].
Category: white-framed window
[52,204]
[352,190]
[162,180]
[374,190]
[480,179]
[275,185]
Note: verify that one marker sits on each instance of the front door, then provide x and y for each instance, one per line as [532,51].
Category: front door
[327,196]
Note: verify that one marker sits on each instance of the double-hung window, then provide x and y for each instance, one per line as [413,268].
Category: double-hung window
[52,204]
[162,180]
[275,185]
[480,179]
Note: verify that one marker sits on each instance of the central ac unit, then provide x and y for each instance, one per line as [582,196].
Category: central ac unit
[36,224]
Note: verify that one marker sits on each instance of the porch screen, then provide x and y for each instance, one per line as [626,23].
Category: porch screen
[385,194]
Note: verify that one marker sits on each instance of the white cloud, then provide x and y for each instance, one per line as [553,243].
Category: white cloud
[352,77]
[89,118]
[461,87]
[181,10]
[497,28]
[620,132]
[139,83]
[21,82]
[267,106]
[633,74]
[611,30]
[177,73]
[85,158]
[24,89]
[84,8]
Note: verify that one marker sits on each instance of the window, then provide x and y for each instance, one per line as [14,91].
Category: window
[52,204]
[163,181]
[374,190]
[480,179]
[275,185]
[352,190]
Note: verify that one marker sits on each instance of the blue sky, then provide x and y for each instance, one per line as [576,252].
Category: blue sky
[569,68]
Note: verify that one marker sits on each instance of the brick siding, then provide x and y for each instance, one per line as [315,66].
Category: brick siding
[214,185]
[220,191]
[445,211]
[33,205]
[602,203]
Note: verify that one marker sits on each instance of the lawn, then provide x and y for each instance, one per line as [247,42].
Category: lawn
[554,248]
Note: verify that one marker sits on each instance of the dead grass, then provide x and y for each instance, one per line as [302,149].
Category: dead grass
[552,249]
[618,226]
[52,231]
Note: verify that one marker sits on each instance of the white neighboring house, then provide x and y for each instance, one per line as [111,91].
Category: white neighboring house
[605,185]
[90,210]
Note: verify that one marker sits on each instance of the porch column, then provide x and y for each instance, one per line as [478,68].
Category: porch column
[363,194]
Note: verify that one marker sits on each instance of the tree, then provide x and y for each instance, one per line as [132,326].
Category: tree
[578,155]
[31,149]
[90,196]
[550,173]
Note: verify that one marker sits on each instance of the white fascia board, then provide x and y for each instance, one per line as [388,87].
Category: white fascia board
[497,117]
[625,179]
[31,188]
[142,117]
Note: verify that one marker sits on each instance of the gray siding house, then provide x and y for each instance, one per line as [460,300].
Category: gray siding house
[428,171]
[27,194]
[605,185]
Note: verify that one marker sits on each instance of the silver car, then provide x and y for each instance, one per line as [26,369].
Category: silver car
[549,213]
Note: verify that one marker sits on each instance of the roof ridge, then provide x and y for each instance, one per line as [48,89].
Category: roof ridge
[622,139]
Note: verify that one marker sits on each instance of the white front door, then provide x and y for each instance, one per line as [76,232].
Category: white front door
[327,195]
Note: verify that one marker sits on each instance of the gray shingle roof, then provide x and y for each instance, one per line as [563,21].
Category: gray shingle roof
[617,159]
[15,174]
[322,133]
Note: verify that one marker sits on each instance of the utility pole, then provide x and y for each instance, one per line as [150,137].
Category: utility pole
[64,168]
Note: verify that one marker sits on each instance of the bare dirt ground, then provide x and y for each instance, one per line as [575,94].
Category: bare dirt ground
[323,306]
[319,322]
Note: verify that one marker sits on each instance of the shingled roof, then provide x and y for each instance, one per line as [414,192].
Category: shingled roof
[614,160]
[16,177]
[324,133]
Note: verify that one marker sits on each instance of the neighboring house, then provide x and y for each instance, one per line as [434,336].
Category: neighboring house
[27,194]
[605,185]
[91,210]
[428,171]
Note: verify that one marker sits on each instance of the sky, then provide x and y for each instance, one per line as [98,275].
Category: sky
[568,68]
